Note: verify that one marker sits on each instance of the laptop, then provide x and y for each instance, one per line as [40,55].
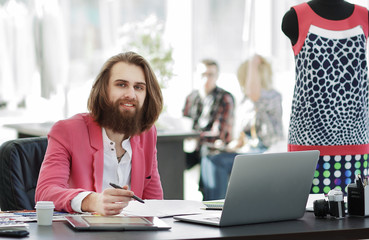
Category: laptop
[264,188]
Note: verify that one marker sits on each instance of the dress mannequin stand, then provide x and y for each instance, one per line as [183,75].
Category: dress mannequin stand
[330,102]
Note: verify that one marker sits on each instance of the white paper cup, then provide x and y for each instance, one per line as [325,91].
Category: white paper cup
[44,211]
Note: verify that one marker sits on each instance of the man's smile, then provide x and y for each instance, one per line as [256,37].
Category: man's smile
[127,105]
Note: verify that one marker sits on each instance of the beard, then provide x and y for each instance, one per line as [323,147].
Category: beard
[122,121]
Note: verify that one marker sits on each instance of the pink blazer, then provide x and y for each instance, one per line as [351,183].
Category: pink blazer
[74,162]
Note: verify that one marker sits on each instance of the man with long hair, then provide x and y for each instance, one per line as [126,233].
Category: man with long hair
[114,142]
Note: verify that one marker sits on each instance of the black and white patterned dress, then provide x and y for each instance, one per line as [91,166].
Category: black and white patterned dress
[330,109]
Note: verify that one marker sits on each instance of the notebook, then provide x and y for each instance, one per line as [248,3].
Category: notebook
[264,188]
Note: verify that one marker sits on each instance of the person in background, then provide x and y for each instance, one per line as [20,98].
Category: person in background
[211,108]
[260,115]
[114,142]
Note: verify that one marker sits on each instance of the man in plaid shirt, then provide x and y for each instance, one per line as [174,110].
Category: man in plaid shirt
[212,110]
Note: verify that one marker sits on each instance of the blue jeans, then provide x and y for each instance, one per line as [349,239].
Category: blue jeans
[215,172]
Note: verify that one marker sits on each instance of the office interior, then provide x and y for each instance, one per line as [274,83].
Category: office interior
[51,51]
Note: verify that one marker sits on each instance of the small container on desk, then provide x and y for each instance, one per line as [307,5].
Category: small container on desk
[358,198]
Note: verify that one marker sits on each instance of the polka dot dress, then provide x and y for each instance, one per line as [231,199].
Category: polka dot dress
[338,171]
[330,106]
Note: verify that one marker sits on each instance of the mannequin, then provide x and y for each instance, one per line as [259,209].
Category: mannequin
[329,9]
[330,110]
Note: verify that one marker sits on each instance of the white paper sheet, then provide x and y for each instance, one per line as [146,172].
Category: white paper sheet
[311,199]
[163,208]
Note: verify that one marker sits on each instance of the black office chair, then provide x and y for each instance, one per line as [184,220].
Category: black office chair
[20,162]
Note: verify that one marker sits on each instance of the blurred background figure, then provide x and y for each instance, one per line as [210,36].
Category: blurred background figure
[259,116]
[211,108]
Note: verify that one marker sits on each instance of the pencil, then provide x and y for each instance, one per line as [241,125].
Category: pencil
[134,196]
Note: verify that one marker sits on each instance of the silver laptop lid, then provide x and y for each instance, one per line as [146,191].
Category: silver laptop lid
[269,187]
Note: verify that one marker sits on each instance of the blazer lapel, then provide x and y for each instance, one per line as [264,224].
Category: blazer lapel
[138,167]
[95,134]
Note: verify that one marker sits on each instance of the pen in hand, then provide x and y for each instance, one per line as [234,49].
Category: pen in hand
[134,196]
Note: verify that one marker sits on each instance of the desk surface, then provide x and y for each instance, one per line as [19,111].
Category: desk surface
[307,227]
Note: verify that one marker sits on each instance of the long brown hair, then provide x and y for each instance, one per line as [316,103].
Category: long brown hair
[99,99]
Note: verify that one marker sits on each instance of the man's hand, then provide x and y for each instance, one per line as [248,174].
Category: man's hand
[110,202]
